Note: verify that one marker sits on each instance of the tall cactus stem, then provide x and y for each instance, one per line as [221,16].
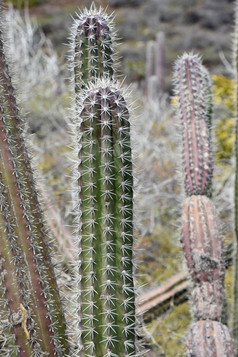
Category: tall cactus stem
[191,87]
[34,278]
[105,180]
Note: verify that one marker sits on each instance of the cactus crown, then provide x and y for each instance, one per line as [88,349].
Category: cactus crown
[92,46]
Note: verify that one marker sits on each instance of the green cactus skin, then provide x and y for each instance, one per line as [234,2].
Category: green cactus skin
[29,302]
[194,110]
[105,223]
[235,59]
[92,41]
[209,338]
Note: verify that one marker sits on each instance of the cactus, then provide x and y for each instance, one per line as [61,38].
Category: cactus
[155,66]
[105,208]
[92,52]
[201,238]
[32,321]
[192,88]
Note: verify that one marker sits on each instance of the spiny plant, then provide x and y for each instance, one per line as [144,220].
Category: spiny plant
[104,193]
[92,47]
[105,228]
[32,318]
[201,232]
[32,321]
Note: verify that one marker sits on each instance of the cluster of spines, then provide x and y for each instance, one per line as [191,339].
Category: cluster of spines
[105,180]
[92,51]
[30,295]
[201,238]
[194,109]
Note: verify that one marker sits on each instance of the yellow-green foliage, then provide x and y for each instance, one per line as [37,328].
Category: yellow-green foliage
[169,331]
[223,95]
[25,3]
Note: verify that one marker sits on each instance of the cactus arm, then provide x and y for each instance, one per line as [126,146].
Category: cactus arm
[92,47]
[19,177]
[106,200]
[14,193]
[197,151]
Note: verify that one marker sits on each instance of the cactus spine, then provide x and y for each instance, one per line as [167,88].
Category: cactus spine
[201,238]
[32,321]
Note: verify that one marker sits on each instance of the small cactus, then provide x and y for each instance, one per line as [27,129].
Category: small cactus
[92,51]
[194,111]
[105,223]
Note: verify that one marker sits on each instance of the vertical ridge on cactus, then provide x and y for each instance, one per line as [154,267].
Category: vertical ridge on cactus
[104,176]
[38,322]
[92,41]
[191,87]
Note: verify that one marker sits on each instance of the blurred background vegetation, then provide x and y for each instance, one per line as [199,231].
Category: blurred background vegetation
[38,35]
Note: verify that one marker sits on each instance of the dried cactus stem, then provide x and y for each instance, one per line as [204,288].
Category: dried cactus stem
[202,241]
[209,338]
[192,90]
[25,218]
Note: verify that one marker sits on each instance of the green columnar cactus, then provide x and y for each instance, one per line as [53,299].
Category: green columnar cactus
[92,52]
[201,238]
[32,322]
[235,54]
[105,227]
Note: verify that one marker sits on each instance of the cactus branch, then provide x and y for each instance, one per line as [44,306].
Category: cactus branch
[105,179]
